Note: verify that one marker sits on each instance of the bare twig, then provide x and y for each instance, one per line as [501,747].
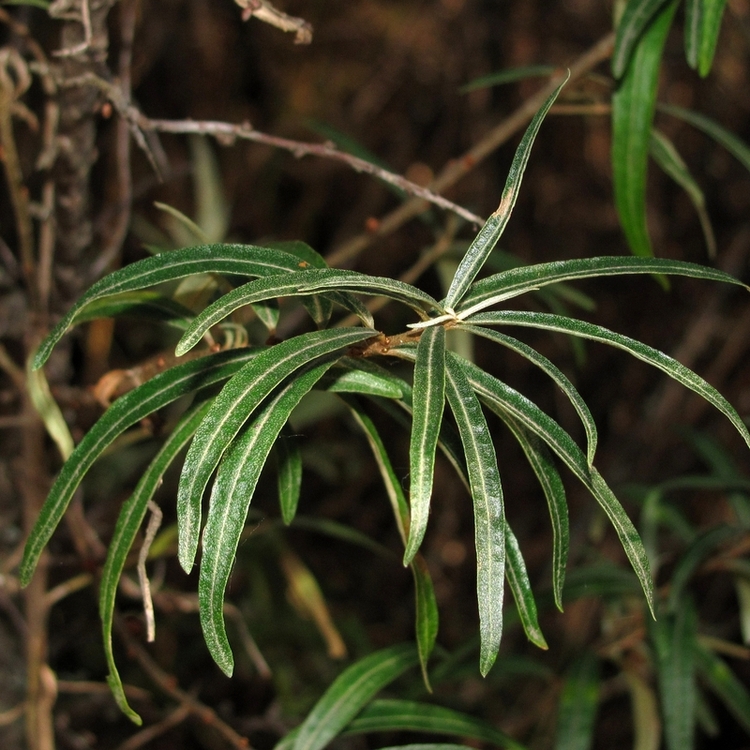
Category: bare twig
[265,11]
[226,132]
[154,522]
[167,683]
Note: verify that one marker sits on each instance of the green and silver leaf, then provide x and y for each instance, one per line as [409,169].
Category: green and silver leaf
[428,402]
[128,410]
[633,106]
[232,408]
[128,523]
[489,235]
[489,512]
[240,260]
[231,495]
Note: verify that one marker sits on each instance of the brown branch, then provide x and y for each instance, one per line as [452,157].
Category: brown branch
[457,168]
[265,11]
[167,683]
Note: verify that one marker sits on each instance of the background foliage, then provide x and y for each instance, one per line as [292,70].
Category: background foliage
[386,78]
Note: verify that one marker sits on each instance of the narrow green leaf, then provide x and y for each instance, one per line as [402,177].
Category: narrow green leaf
[674,636]
[231,409]
[713,10]
[426,616]
[426,613]
[516,281]
[578,705]
[353,305]
[428,401]
[141,304]
[128,410]
[289,473]
[632,117]
[262,289]
[665,155]
[412,716]
[489,513]
[504,400]
[358,375]
[665,363]
[635,18]
[509,75]
[693,25]
[520,586]
[241,260]
[730,690]
[546,472]
[554,372]
[362,283]
[128,522]
[489,235]
[738,148]
[231,495]
[350,693]
[391,481]
[47,408]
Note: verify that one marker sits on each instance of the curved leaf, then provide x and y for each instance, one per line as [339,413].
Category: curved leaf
[517,281]
[732,691]
[265,288]
[289,472]
[489,513]
[634,20]
[350,692]
[231,495]
[666,156]
[412,716]
[231,409]
[546,472]
[693,23]
[502,399]
[128,522]
[241,260]
[426,615]
[665,363]
[489,235]
[358,375]
[520,586]
[129,409]
[633,107]
[713,10]
[362,283]
[428,401]
[554,372]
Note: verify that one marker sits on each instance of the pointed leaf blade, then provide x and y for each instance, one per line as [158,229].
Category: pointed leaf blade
[665,363]
[128,522]
[713,11]
[635,18]
[232,493]
[554,372]
[489,235]
[289,472]
[489,512]
[241,260]
[504,400]
[231,409]
[516,281]
[128,410]
[520,586]
[578,705]
[632,116]
[428,401]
